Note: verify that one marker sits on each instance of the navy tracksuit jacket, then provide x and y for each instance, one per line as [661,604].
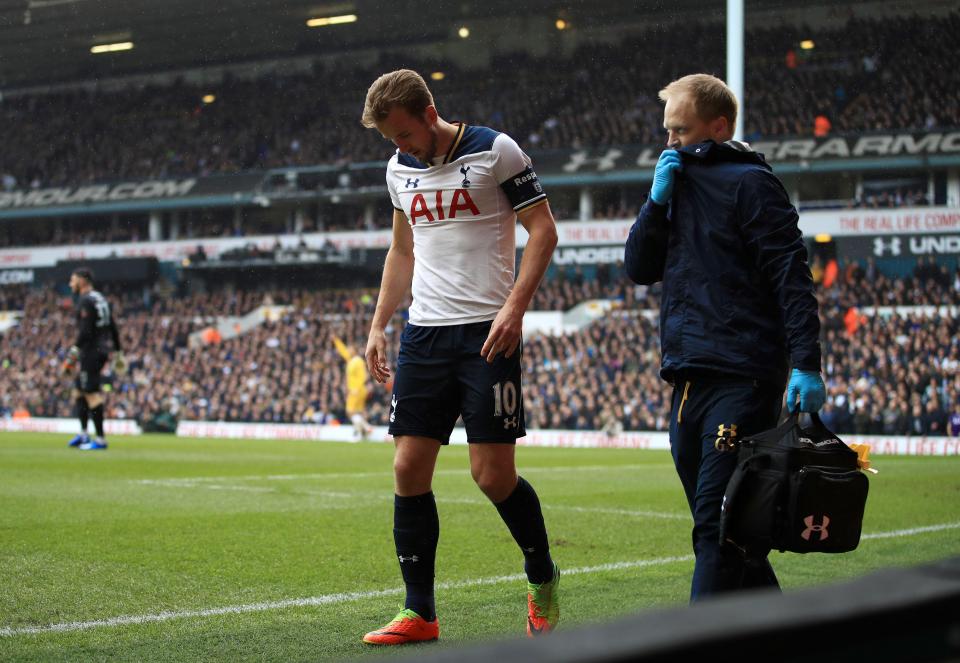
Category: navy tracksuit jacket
[737,310]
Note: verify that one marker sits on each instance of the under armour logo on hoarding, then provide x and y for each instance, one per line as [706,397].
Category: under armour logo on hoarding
[412,183]
[893,246]
[821,528]
[411,558]
[605,161]
[510,422]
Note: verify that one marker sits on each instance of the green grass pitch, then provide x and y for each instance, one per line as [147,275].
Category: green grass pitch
[184,549]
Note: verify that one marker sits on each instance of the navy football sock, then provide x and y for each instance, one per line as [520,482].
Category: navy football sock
[521,512]
[97,413]
[416,531]
[83,412]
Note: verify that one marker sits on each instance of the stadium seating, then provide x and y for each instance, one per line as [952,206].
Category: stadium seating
[889,375]
[598,95]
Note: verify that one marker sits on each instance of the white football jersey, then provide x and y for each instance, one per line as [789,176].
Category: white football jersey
[463,213]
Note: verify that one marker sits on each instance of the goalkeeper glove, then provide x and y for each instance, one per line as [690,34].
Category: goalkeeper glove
[71,360]
[119,364]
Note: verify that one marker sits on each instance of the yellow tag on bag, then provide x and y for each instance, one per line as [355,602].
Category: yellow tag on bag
[863,462]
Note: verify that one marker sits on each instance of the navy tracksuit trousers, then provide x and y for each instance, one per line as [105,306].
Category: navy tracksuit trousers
[707,415]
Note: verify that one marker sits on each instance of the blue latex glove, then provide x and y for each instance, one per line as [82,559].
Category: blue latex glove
[809,387]
[662,188]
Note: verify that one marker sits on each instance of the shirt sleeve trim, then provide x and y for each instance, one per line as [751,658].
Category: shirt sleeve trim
[533,202]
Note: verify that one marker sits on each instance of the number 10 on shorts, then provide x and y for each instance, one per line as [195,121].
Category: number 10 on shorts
[504,399]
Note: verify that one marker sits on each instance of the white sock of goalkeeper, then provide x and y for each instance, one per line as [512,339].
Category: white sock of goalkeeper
[359,423]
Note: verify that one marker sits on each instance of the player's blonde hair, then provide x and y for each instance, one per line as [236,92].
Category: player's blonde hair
[711,96]
[403,87]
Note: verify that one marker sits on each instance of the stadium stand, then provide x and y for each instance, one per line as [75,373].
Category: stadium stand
[885,374]
[590,98]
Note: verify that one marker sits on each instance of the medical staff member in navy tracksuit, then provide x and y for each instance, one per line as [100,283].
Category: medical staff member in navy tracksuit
[737,311]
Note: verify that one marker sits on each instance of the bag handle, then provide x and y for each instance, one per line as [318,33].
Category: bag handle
[821,427]
[793,419]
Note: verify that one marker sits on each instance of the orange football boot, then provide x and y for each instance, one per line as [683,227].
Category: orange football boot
[406,627]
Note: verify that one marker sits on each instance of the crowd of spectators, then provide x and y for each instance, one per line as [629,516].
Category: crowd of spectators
[894,375]
[868,74]
[14,297]
[889,373]
[282,370]
[602,374]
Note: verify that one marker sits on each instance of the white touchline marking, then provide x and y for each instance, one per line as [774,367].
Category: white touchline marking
[385,473]
[377,497]
[619,512]
[909,532]
[328,599]
[579,509]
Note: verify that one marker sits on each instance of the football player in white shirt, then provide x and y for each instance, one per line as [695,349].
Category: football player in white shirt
[457,193]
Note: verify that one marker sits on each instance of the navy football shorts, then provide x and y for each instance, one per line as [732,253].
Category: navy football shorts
[91,363]
[441,376]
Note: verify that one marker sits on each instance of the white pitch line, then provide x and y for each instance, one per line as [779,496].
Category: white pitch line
[635,513]
[910,532]
[579,509]
[326,599]
[386,473]
[619,512]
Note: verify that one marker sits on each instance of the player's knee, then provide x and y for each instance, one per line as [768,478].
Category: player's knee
[494,482]
[406,469]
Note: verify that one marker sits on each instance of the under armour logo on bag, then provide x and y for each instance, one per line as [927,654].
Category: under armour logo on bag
[411,558]
[821,529]
[412,183]
[510,422]
[465,183]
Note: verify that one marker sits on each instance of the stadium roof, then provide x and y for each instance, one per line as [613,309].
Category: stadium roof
[49,41]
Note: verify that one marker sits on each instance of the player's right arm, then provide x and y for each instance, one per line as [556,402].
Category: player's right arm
[645,254]
[397,277]
[119,361]
[341,347]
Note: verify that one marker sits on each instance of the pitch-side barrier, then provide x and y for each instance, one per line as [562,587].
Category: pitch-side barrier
[879,444]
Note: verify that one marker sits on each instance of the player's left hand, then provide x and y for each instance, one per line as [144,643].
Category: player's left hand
[505,334]
[71,361]
[808,387]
